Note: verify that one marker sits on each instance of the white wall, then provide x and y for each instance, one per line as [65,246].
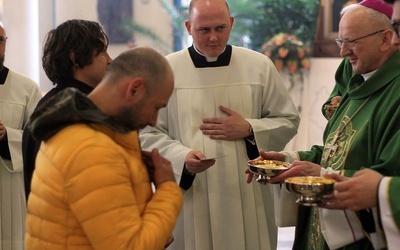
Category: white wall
[317,88]
[20,18]
[28,21]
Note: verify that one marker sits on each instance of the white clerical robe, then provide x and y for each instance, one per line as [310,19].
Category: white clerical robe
[222,211]
[19,96]
[389,211]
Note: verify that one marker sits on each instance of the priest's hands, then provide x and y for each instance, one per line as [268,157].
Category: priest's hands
[358,192]
[230,128]
[196,162]
[159,168]
[297,168]
[271,155]
[3,131]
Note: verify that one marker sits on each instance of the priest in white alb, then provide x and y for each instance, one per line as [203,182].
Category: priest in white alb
[18,98]
[228,102]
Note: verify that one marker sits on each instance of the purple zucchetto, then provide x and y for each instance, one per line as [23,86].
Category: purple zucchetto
[378,5]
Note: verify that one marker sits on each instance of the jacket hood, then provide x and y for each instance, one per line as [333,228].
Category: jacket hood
[68,107]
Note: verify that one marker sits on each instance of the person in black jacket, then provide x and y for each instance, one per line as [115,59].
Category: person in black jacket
[74,55]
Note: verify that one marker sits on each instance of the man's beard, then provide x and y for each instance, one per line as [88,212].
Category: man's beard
[129,117]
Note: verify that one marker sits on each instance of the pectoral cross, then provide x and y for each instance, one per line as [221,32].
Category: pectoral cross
[330,149]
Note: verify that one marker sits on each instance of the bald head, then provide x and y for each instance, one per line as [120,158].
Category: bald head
[3,40]
[139,62]
[195,3]
[210,25]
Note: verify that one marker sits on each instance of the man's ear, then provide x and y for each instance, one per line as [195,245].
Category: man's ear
[188,26]
[232,20]
[135,88]
[387,39]
[72,57]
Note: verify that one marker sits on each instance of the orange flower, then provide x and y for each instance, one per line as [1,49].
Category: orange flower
[278,64]
[300,52]
[279,39]
[305,63]
[292,66]
[283,52]
[287,52]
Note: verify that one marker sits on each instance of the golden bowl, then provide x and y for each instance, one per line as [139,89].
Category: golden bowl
[266,168]
[309,189]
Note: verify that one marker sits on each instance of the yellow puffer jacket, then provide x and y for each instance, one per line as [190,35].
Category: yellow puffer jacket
[95,193]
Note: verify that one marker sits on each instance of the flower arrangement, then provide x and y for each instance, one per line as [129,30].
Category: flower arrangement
[288,52]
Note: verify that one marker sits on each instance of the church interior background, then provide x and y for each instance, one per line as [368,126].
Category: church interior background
[28,21]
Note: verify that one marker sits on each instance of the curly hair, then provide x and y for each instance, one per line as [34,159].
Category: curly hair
[81,38]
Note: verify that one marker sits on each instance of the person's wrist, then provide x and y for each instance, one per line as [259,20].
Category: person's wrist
[186,171]
[250,131]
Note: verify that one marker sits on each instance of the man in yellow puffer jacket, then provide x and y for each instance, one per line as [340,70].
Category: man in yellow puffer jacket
[91,188]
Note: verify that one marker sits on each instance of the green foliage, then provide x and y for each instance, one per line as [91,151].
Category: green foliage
[256,21]
[178,17]
[129,26]
[260,20]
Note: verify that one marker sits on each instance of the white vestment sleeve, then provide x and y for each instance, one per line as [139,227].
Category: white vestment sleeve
[278,125]
[390,228]
[15,146]
[158,137]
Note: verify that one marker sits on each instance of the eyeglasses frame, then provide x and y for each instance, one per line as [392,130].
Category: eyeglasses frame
[340,42]
[396,26]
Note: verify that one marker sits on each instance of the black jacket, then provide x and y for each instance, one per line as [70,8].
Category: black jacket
[30,147]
